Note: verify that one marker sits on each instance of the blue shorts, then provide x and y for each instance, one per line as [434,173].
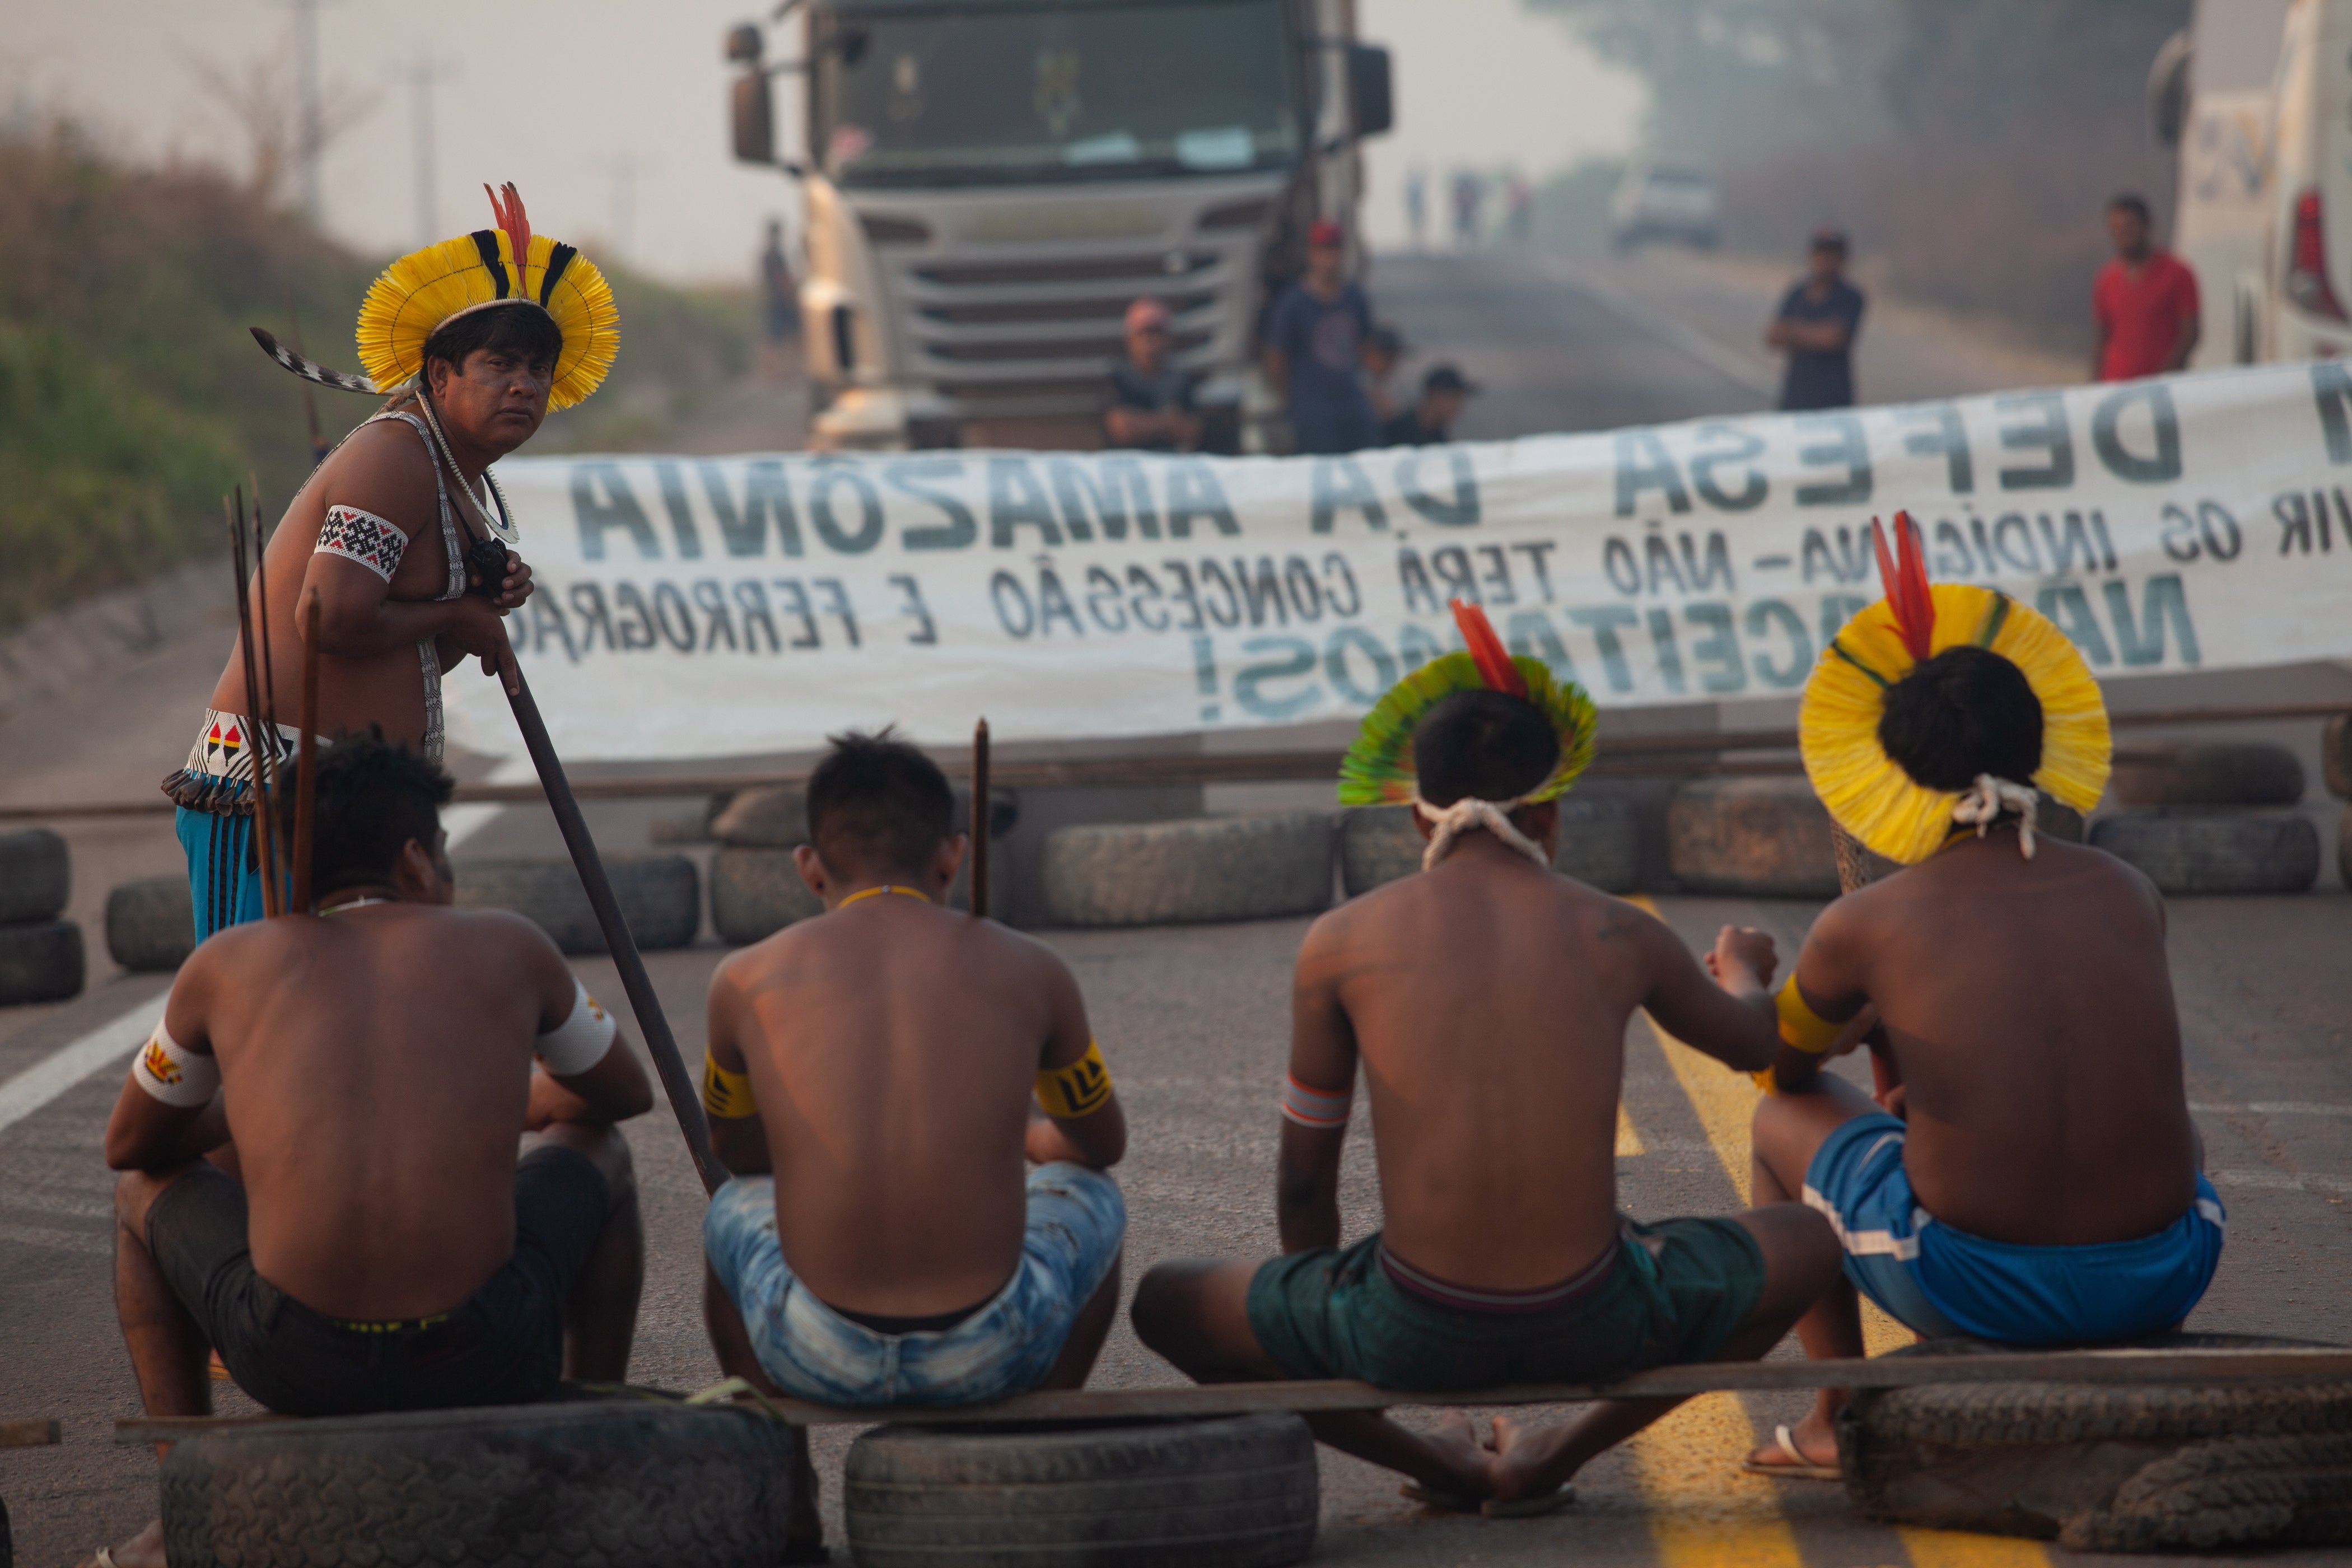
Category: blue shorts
[1077,1223]
[222,881]
[1943,1282]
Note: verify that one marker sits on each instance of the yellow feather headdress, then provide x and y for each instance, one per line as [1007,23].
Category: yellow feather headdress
[1866,791]
[420,291]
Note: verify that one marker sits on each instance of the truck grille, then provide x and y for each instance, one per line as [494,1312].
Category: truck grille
[1122,269]
[1107,308]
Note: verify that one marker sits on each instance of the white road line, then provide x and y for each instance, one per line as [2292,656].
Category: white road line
[69,1065]
[2283,1181]
[2277,1108]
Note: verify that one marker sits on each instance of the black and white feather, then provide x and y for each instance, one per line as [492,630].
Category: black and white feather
[310,371]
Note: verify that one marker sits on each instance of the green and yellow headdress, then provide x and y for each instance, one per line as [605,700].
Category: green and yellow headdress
[1866,791]
[1378,768]
[507,267]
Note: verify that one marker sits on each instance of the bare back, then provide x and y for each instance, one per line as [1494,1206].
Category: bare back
[893,1047]
[375,1064]
[1488,1000]
[2029,1007]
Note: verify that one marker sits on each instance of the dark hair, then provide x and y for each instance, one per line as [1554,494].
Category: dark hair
[1482,745]
[373,797]
[1965,711]
[521,329]
[876,804]
[2133,203]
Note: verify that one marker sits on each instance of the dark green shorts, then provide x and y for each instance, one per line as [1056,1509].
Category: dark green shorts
[1679,1290]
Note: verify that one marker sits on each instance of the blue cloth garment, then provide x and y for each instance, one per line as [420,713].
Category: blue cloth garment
[1941,1282]
[222,881]
[1321,342]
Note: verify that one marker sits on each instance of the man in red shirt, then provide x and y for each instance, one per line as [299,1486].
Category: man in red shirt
[2145,301]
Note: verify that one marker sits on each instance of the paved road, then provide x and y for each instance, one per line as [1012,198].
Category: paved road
[1193,1021]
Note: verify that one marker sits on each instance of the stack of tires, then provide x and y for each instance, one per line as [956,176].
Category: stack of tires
[660,898]
[1600,844]
[40,954]
[756,889]
[1196,871]
[150,924]
[2212,817]
[2335,757]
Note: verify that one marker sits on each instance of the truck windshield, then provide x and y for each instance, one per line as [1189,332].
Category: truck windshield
[930,98]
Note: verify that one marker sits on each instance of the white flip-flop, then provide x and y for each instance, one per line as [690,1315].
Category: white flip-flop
[1797,1468]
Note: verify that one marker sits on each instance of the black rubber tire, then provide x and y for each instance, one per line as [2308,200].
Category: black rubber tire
[755,893]
[36,876]
[622,1483]
[1196,871]
[2089,1464]
[150,924]
[2344,847]
[1600,845]
[660,897]
[40,962]
[762,819]
[2226,773]
[2191,851]
[1236,1491]
[2336,756]
[1752,837]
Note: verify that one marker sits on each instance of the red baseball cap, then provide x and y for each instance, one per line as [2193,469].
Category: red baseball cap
[1325,233]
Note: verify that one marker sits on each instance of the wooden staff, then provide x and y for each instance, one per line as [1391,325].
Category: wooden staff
[235,510]
[306,783]
[979,816]
[268,715]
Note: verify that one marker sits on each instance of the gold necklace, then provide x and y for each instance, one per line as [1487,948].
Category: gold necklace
[876,893]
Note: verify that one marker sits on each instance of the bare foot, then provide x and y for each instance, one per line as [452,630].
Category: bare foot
[1510,1472]
[144,1550]
[1457,1446]
[1815,1438]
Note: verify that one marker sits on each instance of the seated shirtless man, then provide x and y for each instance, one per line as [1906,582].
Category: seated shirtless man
[384,1250]
[873,1081]
[1488,998]
[2052,1196]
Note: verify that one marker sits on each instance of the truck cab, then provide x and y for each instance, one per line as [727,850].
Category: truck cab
[990,183]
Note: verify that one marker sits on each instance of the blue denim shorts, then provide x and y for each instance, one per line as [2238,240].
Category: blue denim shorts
[1941,1282]
[1077,1223]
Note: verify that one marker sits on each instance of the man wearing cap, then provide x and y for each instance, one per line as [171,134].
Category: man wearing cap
[1815,326]
[1314,351]
[1431,420]
[1150,399]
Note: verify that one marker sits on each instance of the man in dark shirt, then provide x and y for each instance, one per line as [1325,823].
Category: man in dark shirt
[1314,350]
[1816,326]
[1151,402]
[1431,420]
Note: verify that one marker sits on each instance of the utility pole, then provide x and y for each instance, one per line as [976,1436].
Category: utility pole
[423,73]
[623,172]
[308,135]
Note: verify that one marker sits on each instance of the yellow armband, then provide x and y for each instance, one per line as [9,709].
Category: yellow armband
[1079,1089]
[1802,1028]
[1766,1080]
[725,1095]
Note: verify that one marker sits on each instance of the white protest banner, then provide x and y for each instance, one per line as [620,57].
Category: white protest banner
[698,606]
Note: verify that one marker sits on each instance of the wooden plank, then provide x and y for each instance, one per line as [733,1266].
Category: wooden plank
[37,1433]
[2204,1368]
[1613,755]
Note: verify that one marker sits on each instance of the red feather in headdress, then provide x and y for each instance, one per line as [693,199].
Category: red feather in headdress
[1905,575]
[1486,650]
[510,218]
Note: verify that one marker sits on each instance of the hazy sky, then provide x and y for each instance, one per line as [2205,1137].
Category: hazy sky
[563,95]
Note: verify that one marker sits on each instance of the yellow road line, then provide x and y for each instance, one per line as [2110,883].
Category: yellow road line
[1628,1141]
[1705,1510]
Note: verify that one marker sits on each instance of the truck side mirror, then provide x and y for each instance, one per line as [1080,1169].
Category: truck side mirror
[1368,90]
[743,44]
[2168,91]
[753,119]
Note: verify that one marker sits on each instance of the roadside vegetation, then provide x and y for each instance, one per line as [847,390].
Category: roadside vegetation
[131,396]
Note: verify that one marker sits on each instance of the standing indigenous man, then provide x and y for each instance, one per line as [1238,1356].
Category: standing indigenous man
[390,532]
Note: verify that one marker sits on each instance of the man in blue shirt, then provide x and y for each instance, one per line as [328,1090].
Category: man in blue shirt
[1314,351]
[1816,326]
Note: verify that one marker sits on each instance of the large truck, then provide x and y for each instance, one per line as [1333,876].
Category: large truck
[2257,96]
[989,184]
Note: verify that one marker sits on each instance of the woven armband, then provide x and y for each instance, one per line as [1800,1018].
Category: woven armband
[173,1073]
[1802,1028]
[1079,1089]
[1316,1107]
[727,1095]
[580,1042]
[363,537]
